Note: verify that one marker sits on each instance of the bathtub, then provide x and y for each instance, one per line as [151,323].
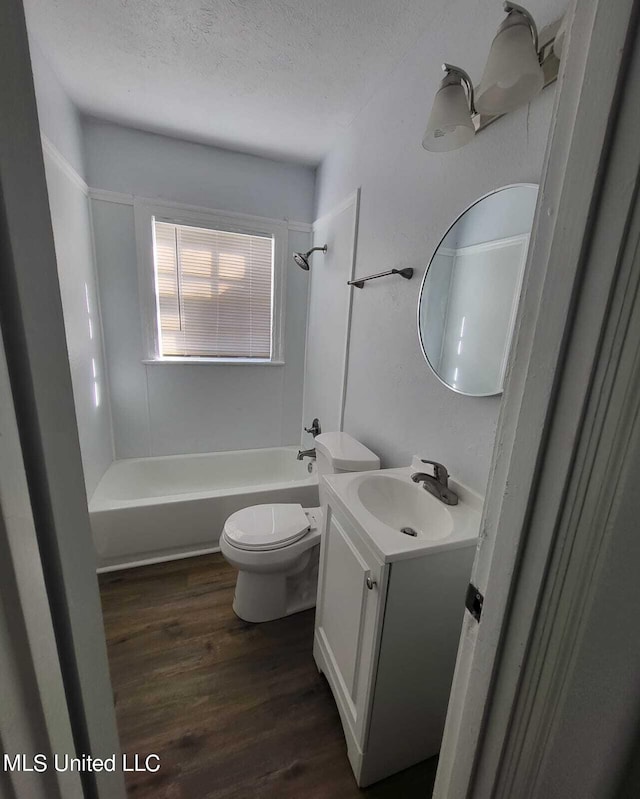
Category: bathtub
[147,510]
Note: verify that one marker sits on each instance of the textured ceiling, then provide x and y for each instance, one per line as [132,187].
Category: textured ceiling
[273,77]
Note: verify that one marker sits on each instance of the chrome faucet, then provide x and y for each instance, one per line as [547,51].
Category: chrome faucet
[437,483]
[306,453]
[315,428]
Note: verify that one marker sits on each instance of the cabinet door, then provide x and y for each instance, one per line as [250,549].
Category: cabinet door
[348,618]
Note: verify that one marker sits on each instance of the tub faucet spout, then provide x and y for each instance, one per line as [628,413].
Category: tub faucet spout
[306,453]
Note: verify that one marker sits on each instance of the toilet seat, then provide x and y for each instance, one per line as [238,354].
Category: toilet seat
[266,527]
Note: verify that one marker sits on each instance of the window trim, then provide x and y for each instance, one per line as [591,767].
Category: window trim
[145,210]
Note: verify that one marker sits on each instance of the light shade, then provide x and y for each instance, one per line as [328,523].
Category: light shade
[450,125]
[513,75]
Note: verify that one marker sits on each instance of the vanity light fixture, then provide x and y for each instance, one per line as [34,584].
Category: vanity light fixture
[513,75]
[519,66]
[450,124]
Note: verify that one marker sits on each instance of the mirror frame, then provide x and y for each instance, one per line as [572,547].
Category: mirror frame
[426,272]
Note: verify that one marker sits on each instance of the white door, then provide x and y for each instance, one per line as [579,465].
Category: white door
[329,316]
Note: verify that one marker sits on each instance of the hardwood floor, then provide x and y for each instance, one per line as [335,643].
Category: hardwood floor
[234,710]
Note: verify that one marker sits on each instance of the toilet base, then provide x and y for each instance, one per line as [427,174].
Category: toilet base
[266,597]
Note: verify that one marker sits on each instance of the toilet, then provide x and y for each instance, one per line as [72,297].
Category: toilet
[276,547]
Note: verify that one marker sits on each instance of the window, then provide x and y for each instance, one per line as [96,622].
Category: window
[215,284]
[214,291]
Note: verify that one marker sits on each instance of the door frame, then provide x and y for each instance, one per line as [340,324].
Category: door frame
[580,236]
[34,716]
[37,361]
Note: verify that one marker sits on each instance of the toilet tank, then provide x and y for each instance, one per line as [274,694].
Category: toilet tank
[339,452]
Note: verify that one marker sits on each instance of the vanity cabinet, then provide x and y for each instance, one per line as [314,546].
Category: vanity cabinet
[386,637]
[349,615]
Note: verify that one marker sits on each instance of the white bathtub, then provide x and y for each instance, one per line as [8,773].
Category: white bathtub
[151,509]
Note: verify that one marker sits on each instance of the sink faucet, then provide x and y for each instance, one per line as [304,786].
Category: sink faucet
[437,483]
[306,453]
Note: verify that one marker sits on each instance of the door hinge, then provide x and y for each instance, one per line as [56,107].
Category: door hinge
[474,602]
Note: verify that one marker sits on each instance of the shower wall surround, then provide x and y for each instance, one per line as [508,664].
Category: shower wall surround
[164,409]
[71,220]
[408,199]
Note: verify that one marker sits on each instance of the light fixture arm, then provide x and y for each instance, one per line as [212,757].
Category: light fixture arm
[450,69]
[509,7]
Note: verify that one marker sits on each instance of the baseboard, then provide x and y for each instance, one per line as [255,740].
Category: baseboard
[150,561]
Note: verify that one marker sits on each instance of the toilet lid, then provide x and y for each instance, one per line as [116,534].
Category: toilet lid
[266,526]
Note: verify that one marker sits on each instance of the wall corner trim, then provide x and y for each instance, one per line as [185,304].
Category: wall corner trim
[299,227]
[49,148]
[350,199]
[110,196]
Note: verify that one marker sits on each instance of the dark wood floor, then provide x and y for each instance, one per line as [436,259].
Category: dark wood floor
[235,710]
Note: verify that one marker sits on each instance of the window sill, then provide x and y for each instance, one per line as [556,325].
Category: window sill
[212,361]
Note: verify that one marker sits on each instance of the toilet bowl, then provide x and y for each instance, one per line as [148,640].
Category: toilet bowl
[276,547]
[277,567]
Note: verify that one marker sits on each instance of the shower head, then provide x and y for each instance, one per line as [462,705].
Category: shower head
[302,258]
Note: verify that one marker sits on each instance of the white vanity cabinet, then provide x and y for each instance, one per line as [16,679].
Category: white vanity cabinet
[386,636]
[349,618]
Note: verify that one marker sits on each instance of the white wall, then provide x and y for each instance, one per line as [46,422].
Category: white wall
[70,216]
[57,115]
[394,404]
[161,409]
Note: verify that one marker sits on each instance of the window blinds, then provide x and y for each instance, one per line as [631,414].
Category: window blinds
[214,291]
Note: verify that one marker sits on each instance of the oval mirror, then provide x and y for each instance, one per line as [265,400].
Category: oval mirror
[470,291]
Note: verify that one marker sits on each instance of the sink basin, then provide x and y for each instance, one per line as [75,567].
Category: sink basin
[399,503]
[381,503]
